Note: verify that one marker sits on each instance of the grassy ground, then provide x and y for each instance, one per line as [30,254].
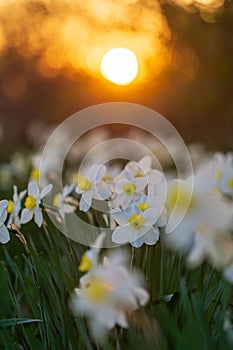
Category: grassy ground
[186,310]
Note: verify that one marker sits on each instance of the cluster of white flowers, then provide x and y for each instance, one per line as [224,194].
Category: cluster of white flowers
[12,211]
[205,233]
[140,200]
[108,291]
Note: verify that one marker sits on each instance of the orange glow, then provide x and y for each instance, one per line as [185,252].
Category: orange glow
[74,35]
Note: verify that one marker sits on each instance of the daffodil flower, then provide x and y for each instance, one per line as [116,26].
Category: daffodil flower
[91,185]
[107,293]
[61,204]
[143,168]
[136,226]
[4,233]
[207,216]
[14,207]
[32,204]
[127,186]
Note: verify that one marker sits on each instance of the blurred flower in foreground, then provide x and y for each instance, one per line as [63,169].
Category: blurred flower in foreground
[107,293]
[4,234]
[204,232]
[32,204]
[223,172]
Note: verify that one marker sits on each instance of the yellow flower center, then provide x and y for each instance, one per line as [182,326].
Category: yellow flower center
[139,175]
[10,207]
[98,290]
[35,174]
[136,220]
[107,178]
[30,202]
[56,200]
[180,196]
[230,182]
[85,264]
[143,206]
[84,184]
[129,188]
[218,175]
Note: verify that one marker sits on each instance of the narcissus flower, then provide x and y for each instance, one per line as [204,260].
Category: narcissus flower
[61,203]
[107,293]
[127,186]
[143,168]
[136,226]
[32,204]
[208,215]
[91,185]
[14,207]
[4,234]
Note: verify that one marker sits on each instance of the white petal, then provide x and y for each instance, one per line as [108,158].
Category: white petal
[85,201]
[140,183]
[102,191]
[100,174]
[68,189]
[26,215]
[132,167]
[38,217]
[15,195]
[3,212]
[22,194]
[152,236]
[196,254]
[228,273]
[4,234]
[121,218]
[46,190]
[33,189]
[145,163]
[151,216]
[91,173]
[141,295]
[122,235]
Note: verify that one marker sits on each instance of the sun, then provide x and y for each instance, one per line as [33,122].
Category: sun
[119,65]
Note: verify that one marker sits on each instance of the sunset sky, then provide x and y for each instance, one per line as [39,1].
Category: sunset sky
[51,51]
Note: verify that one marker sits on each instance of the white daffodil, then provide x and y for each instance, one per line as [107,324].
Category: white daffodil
[4,234]
[142,168]
[91,185]
[223,172]
[107,293]
[207,216]
[61,203]
[14,207]
[32,204]
[136,226]
[143,202]
[127,186]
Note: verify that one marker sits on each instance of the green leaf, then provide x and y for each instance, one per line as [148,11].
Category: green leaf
[14,321]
